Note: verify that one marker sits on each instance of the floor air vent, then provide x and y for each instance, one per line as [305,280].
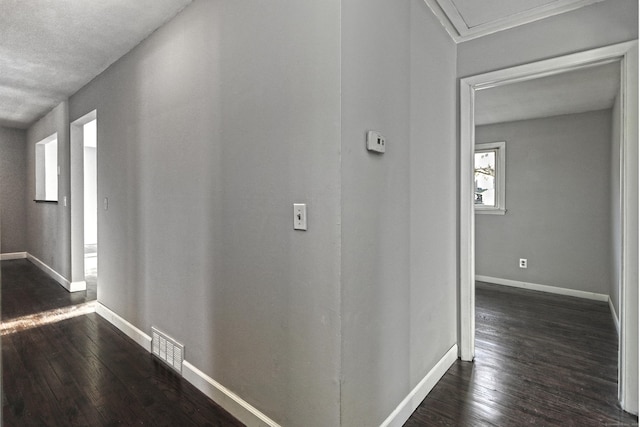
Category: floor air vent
[167,349]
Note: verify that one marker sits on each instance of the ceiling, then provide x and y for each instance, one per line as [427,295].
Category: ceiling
[469,19]
[50,49]
[588,89]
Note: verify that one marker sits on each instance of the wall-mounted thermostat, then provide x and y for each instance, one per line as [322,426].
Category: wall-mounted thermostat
[375,142]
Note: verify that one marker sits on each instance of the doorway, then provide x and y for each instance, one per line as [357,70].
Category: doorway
[84,202]
[90,164]
[626,56]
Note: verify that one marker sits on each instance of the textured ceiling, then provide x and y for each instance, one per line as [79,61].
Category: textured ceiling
[468,19]
[588,89]
[49,49]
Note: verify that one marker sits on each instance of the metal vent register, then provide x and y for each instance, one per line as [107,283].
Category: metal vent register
[167,349]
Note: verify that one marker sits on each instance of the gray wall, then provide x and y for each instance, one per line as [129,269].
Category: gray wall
[211,129]
[597,25]
[558,203]
[13,162]
[208,132]
[49,224]
[398,246]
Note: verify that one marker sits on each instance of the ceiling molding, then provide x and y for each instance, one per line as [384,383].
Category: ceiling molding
[455,24]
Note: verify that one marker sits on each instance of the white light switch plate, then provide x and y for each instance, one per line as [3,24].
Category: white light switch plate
[299,216]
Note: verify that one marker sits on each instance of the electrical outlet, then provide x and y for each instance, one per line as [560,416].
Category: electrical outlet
[523,263]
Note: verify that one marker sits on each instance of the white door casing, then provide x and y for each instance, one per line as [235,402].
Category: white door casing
[626,54]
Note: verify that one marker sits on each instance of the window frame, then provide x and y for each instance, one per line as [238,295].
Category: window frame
[499,147]
[47,169]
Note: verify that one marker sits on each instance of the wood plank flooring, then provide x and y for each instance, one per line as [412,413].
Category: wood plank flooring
[541,360]
[82,371]
[28,290]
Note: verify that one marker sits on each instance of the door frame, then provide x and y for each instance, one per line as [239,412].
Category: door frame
[627,55]
[77,196]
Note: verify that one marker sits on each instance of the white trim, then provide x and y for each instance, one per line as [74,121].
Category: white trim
[455,25]
[13,255]
[123,325]
[490,211]
[628,372]
[80,285]
[77,286]
[626,53]
[466,323]
[76,153]
[71,287]
[404,410]
[224,397]
[444,20]
[614,316]
[544,288]
[548,67]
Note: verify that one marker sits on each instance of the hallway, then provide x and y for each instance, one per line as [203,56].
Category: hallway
[69,368]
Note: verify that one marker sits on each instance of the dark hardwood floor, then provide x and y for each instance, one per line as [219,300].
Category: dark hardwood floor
[28,290]
[81,371]
[541,360]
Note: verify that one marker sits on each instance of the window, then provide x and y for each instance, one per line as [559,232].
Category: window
[47,169]
[489,178]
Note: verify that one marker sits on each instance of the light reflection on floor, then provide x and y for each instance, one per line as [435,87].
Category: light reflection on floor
[46,318]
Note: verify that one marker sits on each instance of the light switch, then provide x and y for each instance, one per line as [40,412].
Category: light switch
[300,216]
[106,204]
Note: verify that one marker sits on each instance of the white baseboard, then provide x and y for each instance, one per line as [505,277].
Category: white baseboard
[224,397]
[80,285]
[544,288]
[127,328]
[71,287]
[13,255]
[615,316]
[404,410]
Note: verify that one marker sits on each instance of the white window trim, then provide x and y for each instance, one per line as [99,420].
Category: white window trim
[47,169]
[500,149]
